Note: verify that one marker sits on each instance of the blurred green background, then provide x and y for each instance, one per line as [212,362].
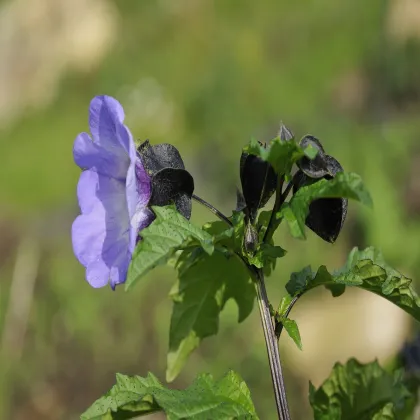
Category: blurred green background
[205,75]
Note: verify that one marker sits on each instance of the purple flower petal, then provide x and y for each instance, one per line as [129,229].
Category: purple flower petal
[97,274]
[105,116]
[102,228]
[88,236]
[131,189]
[144,187]
[91,155]
[112,198]
[86,191]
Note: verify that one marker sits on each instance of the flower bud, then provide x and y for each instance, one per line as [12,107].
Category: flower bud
[250,239]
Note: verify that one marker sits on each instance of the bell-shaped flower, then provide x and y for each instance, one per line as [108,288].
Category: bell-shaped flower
[114,190]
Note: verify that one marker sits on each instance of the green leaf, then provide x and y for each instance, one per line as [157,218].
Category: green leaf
[385,413]
[279,153]
[238,230]
[336,289]
[289,325]
[262,224]
[266,255]
[311,151]
[284,304]
[344,185]
[199,296]
[268,251]
[359,391]
[300,282]
[134,396]
[292,329]
[169,232]
[221,232]
[365,269]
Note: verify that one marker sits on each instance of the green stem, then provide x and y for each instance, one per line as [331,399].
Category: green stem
[271,338]
[286,191]
[266,318]
[272,348]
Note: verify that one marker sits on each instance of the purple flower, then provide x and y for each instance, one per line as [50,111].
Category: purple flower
[113,191]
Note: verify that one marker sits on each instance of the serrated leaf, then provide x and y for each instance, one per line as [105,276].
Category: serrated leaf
[127,399]
[344,185]
[336,289]
[359,391]
[373,275]
[199,296]
[169,232]
[293,330]
[300,281]
[279,153]
[134,396]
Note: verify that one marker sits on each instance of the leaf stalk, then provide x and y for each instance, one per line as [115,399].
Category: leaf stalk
[213,209]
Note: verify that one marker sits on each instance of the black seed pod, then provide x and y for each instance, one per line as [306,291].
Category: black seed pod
[326,215]
[315,168]
[240,200]
[258,181]
[170,181]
